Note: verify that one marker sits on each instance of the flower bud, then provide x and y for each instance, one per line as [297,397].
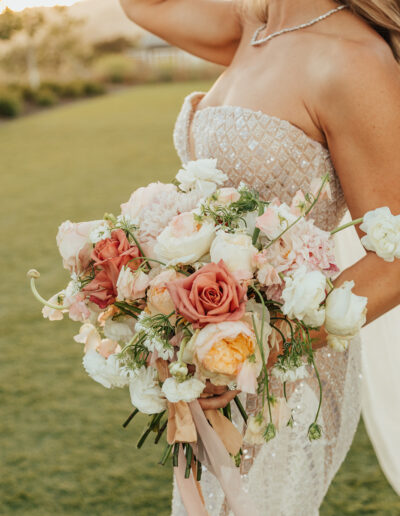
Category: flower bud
[314,432]
[179,370]
[270,432]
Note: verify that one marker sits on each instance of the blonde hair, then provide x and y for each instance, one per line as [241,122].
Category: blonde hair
[381,15]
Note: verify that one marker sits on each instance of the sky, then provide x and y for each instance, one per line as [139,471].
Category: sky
[18,5]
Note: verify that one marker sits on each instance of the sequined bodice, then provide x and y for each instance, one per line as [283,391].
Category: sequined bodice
[269,154]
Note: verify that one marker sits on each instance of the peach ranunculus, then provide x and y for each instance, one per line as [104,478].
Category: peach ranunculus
[74,244]
[159,300]
[210,295]
[109,256]
[224,353]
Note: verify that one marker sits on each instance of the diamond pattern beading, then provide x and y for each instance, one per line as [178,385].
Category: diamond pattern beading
[268,153]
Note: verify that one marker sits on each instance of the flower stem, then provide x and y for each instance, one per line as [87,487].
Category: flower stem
[176,455]
[189,457]
[256,231]
[240,408]
[33,275]
[130,418]
[166,454]
[154,422]
[349,224]
[160,432]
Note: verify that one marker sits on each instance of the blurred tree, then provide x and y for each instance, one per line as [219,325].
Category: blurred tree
[46,41]
[10,23]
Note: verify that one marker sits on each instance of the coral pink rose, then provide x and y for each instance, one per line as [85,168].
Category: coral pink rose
[210,295]
[109,256]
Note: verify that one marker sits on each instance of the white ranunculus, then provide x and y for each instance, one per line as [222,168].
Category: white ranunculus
[382,233]
[338,342]
[106,371]
[202,175]
[145,391]
[236,250]
[121,330]
[187,391]
[345,312]
[184,240]
[303,294]
[131,285]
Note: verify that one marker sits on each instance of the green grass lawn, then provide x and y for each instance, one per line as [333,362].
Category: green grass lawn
[62,448]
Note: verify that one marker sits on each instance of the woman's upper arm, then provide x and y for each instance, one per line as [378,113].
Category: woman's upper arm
[360,115]
[210,29]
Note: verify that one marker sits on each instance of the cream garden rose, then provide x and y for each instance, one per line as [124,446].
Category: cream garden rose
[382,233]
[237,252]
[220,351]
[184,240]
[303,294]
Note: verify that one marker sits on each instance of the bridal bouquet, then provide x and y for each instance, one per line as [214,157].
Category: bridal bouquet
[194,284]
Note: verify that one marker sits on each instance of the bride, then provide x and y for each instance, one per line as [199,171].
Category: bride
[311,87]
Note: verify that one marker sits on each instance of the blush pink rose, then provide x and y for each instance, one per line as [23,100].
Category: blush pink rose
[210,295]
[109,256]
[74,245]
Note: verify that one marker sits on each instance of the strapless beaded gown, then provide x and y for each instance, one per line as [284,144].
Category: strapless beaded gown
[289,476]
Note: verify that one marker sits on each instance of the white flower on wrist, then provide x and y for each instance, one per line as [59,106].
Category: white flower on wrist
[187,391]
[202,175]
[382,233]
[303,294]
[237,251]
[345,312]
[145,391]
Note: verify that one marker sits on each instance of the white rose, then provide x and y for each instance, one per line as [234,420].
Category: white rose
[303,293]
[202,175]
[145,391]
[74,244]
[382,233]
[345,312]
[338,342]
[106,371]
[121,330]
[237,251]
[184,240]
[131,284]
[187,391]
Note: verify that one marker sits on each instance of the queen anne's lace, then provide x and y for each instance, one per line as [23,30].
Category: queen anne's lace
[289,476]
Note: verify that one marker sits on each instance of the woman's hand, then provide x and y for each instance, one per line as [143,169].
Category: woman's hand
[220,396]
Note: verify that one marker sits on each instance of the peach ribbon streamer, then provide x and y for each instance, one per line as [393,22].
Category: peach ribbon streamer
[227,432]
[189,488]
[212,453]
[181,428]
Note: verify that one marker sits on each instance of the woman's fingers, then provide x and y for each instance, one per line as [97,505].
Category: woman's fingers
[214,389]
[217,402]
